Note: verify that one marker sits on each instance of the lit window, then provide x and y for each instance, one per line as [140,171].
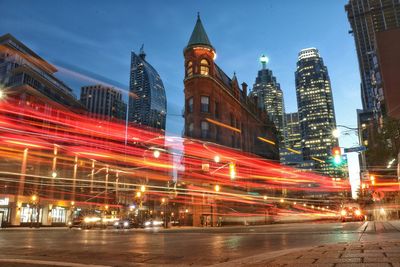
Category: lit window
[205,100]
[204,129]
[190,105]
[204,67]
[189,69]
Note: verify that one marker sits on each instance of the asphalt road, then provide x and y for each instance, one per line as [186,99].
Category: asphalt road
[199,246]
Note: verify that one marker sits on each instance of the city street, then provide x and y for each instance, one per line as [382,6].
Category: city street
[179,246]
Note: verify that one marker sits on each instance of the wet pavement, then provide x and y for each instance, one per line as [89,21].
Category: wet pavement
[187,246]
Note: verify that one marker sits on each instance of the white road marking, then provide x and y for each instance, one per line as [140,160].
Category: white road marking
[51,263]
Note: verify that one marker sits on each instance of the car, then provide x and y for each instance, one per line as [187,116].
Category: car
[153,223]
[351,213]
[86,222]
[127,223]
[76,222]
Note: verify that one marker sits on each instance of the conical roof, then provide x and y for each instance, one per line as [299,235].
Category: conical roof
[199,35]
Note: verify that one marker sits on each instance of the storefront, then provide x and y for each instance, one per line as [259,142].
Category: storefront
[4,212]
[30,215]
[58,216]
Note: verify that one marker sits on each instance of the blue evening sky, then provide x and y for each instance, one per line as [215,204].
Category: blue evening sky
[92,39]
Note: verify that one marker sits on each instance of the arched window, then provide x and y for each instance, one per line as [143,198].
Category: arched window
[204,67]
[204,129]
[189,69]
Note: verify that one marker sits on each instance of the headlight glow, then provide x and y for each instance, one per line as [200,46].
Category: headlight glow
[358,212]
[343,213]
[126,224]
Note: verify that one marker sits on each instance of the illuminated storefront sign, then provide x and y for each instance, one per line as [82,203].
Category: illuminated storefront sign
[4,201]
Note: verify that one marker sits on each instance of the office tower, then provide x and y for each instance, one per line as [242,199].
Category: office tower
[103,102]
[375,26]
[315,108]
[147,100]
[291,152]
[270,97]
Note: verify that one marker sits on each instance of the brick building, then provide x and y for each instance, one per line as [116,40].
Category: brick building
[217,109]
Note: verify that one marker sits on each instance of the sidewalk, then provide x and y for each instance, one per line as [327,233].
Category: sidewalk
[368,254]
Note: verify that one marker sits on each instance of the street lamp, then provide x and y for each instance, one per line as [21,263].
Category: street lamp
[336,133]
[217,188]
[156,154]
[143,188]
[54,174]
[164,212]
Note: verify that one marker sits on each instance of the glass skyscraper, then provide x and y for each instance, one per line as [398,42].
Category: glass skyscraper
[367,18]
[291,154]
[270,96]
[147,100]
[315,108]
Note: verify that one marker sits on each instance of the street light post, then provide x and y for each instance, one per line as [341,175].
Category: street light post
[265,210]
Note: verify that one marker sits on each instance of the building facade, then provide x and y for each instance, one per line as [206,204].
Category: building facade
[375,25]
[315,108]
[291,154]
[103,102]
[270,97]
[367,18]
[216,108]
[31,79]
[29,86]
[147,99]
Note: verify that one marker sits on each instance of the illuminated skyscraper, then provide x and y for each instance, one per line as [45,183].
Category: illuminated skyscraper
[103,102]
[291,153]
[316,111]
[147,100]
[270,96]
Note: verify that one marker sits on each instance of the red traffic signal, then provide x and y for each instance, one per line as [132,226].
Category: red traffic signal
[336,151]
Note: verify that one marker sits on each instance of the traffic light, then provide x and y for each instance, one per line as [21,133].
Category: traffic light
[337,156]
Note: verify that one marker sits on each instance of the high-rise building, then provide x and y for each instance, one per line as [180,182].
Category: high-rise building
[368,18]
[31,79]
[103,102]
[291,153]
[147,100]
[315,108]
[270,97]
[375,25]
[216,108]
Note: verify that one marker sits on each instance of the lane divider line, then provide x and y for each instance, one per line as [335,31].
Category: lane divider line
[51,263]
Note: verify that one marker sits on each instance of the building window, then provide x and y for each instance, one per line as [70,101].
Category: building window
[190,105]
[191,129]
[216,109]
[204,67]
[204,129]
[205,101]
[189,69]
